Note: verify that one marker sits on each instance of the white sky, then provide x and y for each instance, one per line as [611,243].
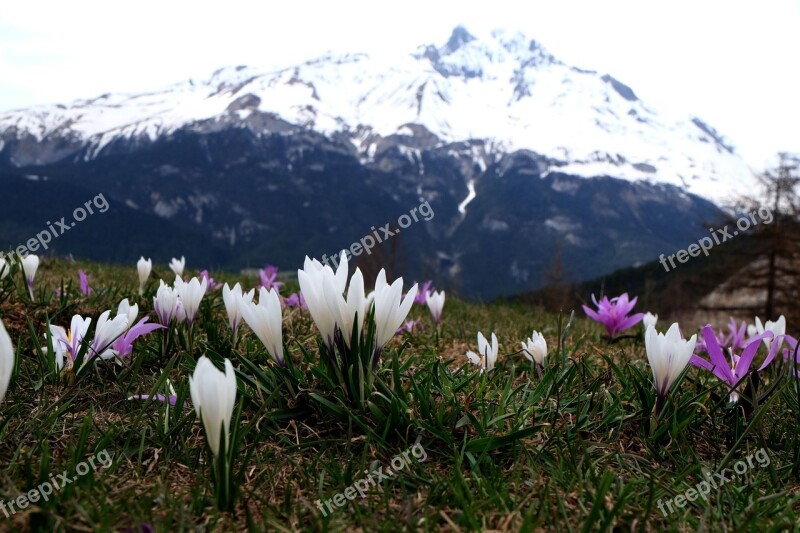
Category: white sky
[733,63]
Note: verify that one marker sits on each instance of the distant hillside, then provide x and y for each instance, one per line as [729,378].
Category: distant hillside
[677,292]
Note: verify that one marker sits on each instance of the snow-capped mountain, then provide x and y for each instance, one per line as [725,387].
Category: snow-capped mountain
[508,91]
[522,157]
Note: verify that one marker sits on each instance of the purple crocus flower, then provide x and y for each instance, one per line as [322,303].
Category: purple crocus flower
[739,366]
[409,326]
[124,344]
[735,339]
[268,276]
[84,282]
[700,347]
[613,314]
[736,336]
[422,296]
[296,300]
[788,353]
[212,285]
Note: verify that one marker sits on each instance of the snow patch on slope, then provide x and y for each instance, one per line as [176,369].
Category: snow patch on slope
[462,207]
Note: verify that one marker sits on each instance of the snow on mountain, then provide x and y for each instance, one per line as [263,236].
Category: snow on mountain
[507,90]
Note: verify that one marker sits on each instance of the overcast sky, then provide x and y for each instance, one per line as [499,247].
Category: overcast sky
[733,63]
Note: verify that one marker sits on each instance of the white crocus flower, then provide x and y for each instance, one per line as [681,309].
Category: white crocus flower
[488,353]
[535,348]
[265,319]
[60,340]
[30,264]
[435,301]
[668,355]
[127,310]
[340,275]
[234,300]
[649,320]
[346,310]
[390,309]
[67,344]
[191,294]
[144,267]
[178,266]
[213,395]
[106,332]
[778,328]
[312,281]
[166,303]
[5,268]
[7,357]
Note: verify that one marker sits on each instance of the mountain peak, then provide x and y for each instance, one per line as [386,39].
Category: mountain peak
[458,38]
[467,56]
[502,88]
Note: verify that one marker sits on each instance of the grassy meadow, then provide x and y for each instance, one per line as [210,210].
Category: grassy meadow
[573,447]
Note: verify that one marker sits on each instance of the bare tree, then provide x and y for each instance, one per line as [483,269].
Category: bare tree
[781,241]
[765,266]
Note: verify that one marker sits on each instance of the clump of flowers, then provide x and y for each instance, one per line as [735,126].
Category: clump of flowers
[355,327]
[731,368]
[735,338]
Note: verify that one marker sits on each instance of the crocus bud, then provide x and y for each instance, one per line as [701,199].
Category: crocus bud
[435,301]
[213,395]
[265,319]
[668,355]
[234,300]
[30,264]
[144,266]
